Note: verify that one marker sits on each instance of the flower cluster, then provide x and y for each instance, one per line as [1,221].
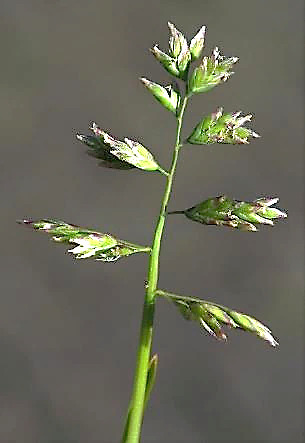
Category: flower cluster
[212,71]
[90,244]
[223,211]
[222,128]
[212,317]
[180,53]
[128,153]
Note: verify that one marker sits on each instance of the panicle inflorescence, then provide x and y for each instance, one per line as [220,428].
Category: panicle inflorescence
[214,128]
[217,127]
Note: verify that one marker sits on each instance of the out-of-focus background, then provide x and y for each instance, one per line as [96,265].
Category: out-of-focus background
[69,330]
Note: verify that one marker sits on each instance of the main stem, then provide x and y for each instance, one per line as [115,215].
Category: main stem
[136,410]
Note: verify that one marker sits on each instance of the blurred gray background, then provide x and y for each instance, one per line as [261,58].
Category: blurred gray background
[69,329]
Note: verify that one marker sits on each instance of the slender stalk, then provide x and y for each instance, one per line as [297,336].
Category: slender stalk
[132,431]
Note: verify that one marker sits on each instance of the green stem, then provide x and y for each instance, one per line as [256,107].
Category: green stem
[132,432]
